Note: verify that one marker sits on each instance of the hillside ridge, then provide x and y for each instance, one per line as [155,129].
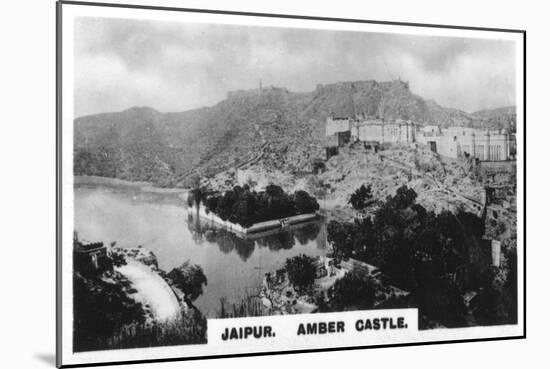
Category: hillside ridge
[141,143]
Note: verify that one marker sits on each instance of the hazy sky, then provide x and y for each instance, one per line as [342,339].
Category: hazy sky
[120,63]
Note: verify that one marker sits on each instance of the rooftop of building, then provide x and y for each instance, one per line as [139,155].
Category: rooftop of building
[362,119]
[88,247]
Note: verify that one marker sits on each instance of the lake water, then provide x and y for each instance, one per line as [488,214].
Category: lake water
[159,222]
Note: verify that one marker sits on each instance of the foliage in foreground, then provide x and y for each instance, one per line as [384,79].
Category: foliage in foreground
[496,300]
[107,317]
[354,290]
[361,198]
[436,257]
[101,309]
[301,271]
[246,307]
[184,330]
[190,279]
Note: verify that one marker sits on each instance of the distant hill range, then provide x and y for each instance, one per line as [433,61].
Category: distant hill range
[280,128]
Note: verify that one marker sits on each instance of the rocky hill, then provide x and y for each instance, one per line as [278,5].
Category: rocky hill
[497,118]
[283,129]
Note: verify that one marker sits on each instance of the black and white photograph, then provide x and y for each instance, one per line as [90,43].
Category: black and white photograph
[230,183]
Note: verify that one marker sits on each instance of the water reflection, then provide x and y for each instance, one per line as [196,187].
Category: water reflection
[233,265]
[309,232]
[274,240]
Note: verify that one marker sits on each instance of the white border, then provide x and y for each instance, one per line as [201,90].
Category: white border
[69,12]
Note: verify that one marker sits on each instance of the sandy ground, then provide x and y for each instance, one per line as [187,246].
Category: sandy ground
[152,290]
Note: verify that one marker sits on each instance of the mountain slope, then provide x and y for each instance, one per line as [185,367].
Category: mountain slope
[279,127]
[497,118]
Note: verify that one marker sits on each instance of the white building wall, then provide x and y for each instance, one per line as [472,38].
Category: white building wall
[455,141]
[391,133]
[337,125]
[430,129]
[371,132]
[498,147]
[447,146]
[403,133]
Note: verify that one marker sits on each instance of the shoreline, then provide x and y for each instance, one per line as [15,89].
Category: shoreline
[144,186]
[152,290]
[278,224]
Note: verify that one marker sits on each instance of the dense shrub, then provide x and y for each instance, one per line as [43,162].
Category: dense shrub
[189,279]
[437,257]
[301,271]
[361,198]
[245,207]
[100,309]
[355,290]
[496,300]
[196,196]
[304,203]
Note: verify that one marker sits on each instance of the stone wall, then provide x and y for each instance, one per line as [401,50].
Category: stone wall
[482,144]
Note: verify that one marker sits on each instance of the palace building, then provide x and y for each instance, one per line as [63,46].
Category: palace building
[362,128]
[342,130]
[482,144]
[453,142]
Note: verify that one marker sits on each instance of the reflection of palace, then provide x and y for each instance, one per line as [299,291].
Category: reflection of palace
[203,230]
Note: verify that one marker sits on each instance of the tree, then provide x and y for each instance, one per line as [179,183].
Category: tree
[511,284]
[301,271]
[196,197]
[245,207]
[361,198]
[304,203]
[225,204]
[485,304]
[189,279]
[212,203]
[404,197]
[440,299]
[341,236]
[355,289]
[274,191]
[280,205]
[100,309]
[436,257]
[496,299]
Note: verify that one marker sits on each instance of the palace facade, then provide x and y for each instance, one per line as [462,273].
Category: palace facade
[453,142]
